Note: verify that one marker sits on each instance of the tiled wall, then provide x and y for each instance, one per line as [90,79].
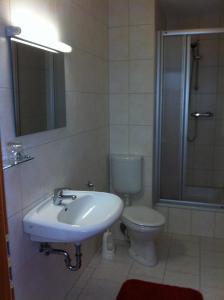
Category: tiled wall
[65,157]
[193,221]
[186,21]
[132,60]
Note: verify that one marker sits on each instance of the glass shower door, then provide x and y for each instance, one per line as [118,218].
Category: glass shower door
[172,116]
[204,167]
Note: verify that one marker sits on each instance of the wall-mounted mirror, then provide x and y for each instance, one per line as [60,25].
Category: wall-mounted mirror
[39,89]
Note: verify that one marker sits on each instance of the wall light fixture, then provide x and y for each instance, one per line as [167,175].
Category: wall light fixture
[15,34]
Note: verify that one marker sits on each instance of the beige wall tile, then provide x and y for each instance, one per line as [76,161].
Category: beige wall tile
[119,77]
[165,212]
[203,223]
[219,225]
[118,12]
[119,109]
[142,12]
[142,42]
[119,139]
[179,221]
[13,193]
[141,109]
[141,140]
[141,76]
[118,43]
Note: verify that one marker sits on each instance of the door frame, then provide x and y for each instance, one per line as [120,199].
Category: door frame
[184,95]
[6,289]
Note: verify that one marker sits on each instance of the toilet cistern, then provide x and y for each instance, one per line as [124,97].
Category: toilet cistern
[126,171]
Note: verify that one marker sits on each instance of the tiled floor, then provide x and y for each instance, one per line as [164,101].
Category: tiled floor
[184,261]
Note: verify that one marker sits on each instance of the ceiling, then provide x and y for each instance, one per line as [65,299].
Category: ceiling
[192,7]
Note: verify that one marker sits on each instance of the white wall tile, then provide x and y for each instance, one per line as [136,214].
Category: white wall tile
[141,109]
[119,139]
[142,42]
[119,109]
[141,76]
[5,80]
[118,12]
[135,76]
[219,225]
[141,12]
[13,192]
[119,77]
[203,223]
[21,247]
[118,43]
[211,20]
[144,197]
[7,120]
[141,140]
[148,171]
[98,9]
[165,212]
[179,221]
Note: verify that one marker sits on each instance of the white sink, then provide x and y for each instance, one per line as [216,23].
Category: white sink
[89,214]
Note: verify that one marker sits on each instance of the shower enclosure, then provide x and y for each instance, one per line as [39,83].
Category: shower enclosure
[189,152]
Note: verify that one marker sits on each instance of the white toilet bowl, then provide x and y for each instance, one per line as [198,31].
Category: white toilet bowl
[143,225]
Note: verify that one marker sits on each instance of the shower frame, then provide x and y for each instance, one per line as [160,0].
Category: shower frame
[185,92]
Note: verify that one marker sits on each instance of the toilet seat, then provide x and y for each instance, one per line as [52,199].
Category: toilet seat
[143,216]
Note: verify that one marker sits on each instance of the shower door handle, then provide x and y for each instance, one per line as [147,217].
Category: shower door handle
[198,115]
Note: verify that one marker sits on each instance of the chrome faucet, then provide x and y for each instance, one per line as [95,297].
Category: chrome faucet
[59,197]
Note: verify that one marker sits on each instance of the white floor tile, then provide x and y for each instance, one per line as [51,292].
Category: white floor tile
[145,278]
[213,294]
[100,289]
[147,272]
[74,294]
[213,245]
[189,238]
[184,247]
[122,255]
[179,264]
[84,278]
[163,246]
[113,271]
[181,279]
[183,264]
[212,259]
[96,260]
[212,278]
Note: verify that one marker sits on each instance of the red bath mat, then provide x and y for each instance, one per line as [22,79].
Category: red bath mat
[141,290]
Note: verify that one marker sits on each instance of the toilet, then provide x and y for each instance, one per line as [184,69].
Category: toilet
[143,223]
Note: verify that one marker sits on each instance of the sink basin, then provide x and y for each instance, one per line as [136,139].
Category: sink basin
[89,214]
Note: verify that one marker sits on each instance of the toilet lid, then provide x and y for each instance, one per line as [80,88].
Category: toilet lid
[144,216]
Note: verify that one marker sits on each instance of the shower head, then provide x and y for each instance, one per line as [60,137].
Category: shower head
[195,50]
[194,44]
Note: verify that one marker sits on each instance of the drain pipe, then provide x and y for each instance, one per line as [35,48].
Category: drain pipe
[47,250]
